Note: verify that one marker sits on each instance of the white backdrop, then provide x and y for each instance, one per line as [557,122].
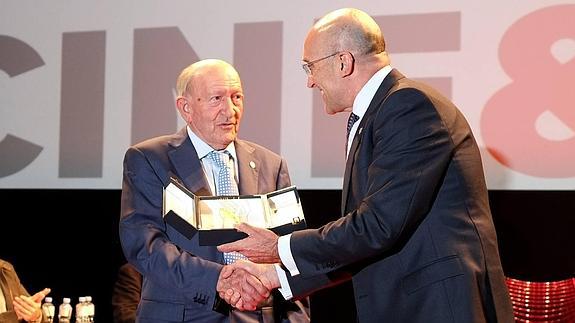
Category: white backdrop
[81,80]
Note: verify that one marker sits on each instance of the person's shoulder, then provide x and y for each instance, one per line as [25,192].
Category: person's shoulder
[6,265]
[413,88]
[255,148]
[154,142]
[128,267]
[160,142]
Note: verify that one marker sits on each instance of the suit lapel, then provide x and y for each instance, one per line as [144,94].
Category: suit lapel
[248,168]
[382,92]
[189,168]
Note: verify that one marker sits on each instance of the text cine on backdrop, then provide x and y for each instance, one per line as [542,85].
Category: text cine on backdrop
[79,85]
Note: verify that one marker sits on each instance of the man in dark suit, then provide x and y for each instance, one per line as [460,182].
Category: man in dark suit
[416,233]
[180,277]
[16,305]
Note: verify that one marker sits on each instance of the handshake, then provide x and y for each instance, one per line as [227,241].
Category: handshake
[245,284]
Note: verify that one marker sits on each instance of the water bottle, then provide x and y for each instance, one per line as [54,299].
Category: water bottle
[80,310]
[65,311]
[90,309]
[48,310]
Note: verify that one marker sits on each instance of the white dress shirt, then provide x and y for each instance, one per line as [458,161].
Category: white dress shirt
[2,301]
[210,168]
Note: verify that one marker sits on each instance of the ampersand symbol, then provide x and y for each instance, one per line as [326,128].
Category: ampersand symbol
[543,84]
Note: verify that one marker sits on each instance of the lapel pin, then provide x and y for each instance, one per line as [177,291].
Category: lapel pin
[253,165]
[359,131]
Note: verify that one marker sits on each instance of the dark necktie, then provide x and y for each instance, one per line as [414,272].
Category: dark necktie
[350,121]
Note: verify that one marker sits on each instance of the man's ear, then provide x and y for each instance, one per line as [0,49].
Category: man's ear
[182,105]
[346,62]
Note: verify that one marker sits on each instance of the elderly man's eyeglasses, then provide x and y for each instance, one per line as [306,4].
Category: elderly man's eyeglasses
[307,65]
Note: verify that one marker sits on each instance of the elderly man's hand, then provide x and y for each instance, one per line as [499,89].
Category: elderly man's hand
[240,288]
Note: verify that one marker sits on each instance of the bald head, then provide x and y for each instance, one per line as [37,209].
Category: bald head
[210,100]
[348,29]
[342,51]
[198,70]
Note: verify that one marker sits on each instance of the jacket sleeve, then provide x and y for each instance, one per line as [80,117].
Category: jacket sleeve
[146,239]
[398,168]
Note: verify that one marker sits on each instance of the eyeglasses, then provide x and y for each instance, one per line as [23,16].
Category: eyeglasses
[307,66]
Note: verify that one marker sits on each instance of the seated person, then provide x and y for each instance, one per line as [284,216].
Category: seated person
[16,305]
[126,295]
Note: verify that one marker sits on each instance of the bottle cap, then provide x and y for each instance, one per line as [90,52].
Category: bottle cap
[66,300]
[48,299]
[81,299]
[88,298]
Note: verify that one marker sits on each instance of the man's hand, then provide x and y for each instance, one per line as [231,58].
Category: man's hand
[241,289]
[266,273]
[28,307]
[261,245]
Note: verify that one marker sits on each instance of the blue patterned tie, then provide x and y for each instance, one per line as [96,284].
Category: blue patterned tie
[350,121]
[225,185]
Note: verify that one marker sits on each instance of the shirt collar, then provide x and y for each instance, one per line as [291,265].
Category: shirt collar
[202,148]
[367,92]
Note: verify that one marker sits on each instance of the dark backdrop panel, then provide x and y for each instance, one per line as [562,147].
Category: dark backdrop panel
[66,240]
[75,247]
[536,233]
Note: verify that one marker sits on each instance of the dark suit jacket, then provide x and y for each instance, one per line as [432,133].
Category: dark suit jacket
[179,275]
[11,287]
[126,295]
[417,234]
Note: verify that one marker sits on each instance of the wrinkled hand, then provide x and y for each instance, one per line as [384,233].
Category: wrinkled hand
[28,307]
[261,245]
[241,289]
[266,273]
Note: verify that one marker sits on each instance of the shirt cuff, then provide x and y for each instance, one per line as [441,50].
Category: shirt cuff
[285,289]
[286,257]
